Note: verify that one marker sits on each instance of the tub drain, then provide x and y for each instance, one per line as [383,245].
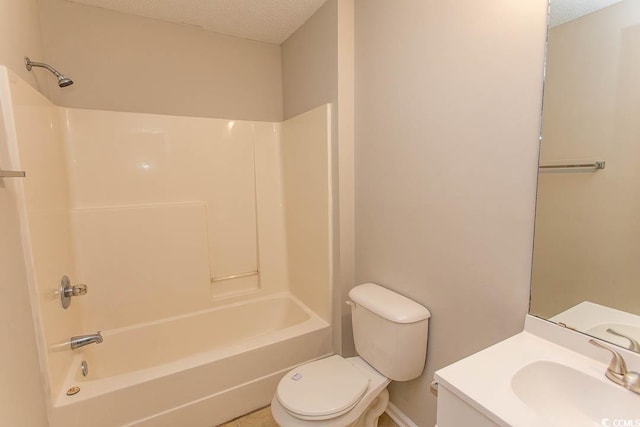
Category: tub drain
[73,390]
[84,368]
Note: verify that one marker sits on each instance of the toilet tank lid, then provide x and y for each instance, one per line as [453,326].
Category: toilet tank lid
[388,304]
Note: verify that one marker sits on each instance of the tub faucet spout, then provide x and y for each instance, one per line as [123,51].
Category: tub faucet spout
[82,340]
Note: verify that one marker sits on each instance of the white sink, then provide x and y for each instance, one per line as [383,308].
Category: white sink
[529,380]
[566,396]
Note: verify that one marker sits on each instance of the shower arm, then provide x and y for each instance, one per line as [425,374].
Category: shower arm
[63,81]
[29,63]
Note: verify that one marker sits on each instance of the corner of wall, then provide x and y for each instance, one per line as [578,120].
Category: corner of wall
[20,36]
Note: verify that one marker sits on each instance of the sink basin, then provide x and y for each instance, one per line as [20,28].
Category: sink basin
[567,397]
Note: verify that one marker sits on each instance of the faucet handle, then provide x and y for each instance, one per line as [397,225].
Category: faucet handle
[76,290]
[617,364]
[66,291]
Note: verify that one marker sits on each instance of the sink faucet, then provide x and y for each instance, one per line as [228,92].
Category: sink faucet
[633,344]
[82,340]
[617,370]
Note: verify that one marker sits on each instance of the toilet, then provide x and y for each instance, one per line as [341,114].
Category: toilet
[390,335]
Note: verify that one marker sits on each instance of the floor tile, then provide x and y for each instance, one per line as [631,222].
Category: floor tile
[386,421]
[263,418]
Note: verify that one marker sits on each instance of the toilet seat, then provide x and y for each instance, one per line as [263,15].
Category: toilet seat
[377,386]
[323,389]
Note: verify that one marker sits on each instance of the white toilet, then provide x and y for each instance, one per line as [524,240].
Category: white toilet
[390,334]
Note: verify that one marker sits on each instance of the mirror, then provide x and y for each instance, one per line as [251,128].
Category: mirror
[586,263]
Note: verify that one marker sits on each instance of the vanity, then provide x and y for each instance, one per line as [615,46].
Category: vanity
[585,285]
[543,376]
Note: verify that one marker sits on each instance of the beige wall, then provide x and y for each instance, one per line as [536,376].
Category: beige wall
[20,36]
[128,63]
[22,392]
[587,228]
[447,116]
[310,61]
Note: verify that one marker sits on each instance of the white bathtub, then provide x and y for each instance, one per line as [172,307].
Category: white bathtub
[196,370]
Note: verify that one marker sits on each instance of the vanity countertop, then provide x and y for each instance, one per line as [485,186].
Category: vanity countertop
[491,381]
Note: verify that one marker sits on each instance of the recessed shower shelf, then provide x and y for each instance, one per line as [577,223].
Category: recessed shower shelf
[12,174]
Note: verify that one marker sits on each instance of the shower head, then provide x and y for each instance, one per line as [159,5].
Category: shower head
[63,81]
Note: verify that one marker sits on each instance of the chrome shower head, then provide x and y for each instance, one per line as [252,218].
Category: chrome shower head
[63,81]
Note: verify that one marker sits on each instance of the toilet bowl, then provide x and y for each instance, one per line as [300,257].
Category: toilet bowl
[390,335]
[328,393]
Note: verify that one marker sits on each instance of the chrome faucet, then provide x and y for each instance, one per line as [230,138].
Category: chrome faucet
[617,370]
[82,340]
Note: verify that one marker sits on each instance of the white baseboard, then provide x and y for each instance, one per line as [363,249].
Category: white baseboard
[399,417]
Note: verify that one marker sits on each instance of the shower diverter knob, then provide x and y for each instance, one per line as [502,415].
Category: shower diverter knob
[76,290]
[67,291]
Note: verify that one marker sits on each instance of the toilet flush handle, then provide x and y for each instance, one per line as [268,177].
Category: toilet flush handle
[350,303]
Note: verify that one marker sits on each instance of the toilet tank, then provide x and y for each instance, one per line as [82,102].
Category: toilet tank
[390,331]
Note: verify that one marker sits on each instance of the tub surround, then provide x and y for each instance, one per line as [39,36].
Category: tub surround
[197,200]
[42,197]
[307,176]
[22,398]
[157,215]
[135,176]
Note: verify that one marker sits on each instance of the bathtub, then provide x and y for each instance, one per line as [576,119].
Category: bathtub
[200,369]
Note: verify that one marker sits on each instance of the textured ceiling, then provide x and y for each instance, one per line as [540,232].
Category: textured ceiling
[271,21]
[567,10]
